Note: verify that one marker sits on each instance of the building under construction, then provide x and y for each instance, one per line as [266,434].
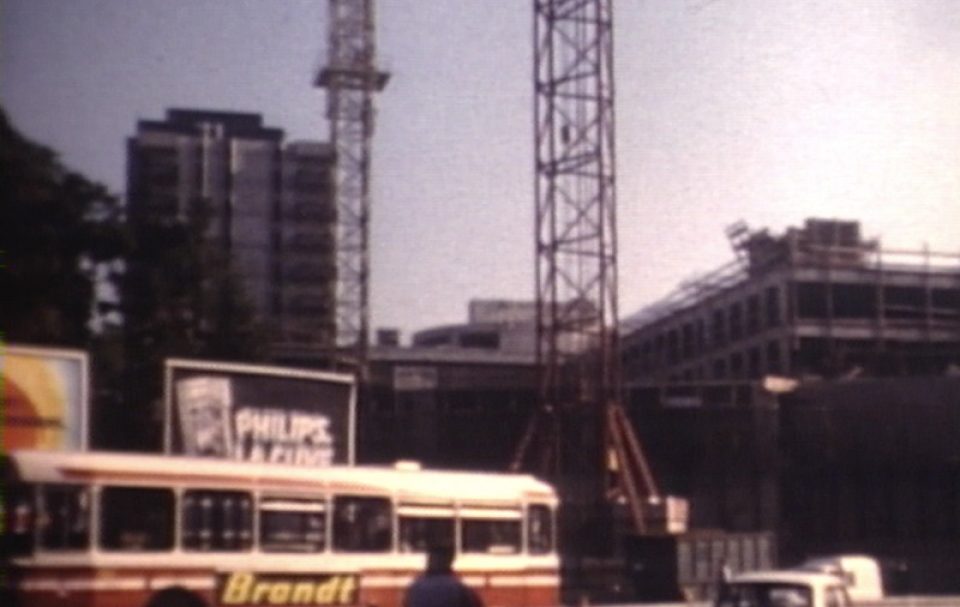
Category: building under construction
[810,390]
[816,301]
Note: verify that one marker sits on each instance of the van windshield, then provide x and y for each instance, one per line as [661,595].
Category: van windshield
[764,595]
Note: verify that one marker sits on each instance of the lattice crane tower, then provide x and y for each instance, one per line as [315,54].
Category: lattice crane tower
[576,260]
[351,78]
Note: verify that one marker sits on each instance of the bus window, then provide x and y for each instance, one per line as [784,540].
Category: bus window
[362,524]
[136,519]
[490,531]
[293,525]
[216,520]
[19,515]
[539,530]
[65,520]
[423,526]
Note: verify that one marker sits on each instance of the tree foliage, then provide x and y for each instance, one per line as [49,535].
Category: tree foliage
[65,240]
[179,299]
[59,228]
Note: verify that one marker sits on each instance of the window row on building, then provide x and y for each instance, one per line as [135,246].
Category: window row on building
[269,205]
[705,332]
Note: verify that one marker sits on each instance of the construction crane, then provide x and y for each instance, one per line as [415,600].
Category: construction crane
[581,426]
[351,78]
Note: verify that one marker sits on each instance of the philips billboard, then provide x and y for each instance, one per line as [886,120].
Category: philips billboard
[259,413]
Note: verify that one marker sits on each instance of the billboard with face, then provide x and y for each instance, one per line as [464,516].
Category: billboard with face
[259,413]
[45,394]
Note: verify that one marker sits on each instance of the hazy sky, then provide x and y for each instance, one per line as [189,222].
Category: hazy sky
[762,110]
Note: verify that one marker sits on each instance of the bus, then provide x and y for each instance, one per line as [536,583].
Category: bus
[124,530]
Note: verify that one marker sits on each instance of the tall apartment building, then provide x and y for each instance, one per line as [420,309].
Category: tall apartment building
[270,205]
[816,301]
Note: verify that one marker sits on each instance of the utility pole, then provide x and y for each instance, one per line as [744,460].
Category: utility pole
[351,78]
[581,430]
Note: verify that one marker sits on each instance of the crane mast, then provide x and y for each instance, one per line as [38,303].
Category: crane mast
[581,426]
[351,78]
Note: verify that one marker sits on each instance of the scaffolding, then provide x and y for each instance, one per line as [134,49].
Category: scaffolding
[759,253]
[816,301]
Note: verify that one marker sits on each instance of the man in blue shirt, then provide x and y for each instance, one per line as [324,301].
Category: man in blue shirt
[439,586]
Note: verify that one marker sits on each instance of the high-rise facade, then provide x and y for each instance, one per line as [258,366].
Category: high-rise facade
[269,207]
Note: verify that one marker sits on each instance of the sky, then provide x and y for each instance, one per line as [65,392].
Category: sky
[765,111]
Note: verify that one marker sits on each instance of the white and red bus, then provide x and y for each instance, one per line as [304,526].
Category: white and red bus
[121,530]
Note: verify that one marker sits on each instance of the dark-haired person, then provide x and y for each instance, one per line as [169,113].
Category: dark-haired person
[439,586]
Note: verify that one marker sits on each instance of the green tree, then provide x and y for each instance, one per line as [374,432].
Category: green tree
[59,229]
[178,299]
[169,292]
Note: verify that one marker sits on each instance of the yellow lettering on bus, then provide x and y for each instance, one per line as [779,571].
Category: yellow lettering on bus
[244,588]
[260,592]
[280,593]
[302,593]
[347,589]
[237,589]
[326,592]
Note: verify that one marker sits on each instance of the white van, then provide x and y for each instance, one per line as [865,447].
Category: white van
[787,588]
[859,573]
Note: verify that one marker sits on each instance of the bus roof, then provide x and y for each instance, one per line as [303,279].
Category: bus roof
[405,482]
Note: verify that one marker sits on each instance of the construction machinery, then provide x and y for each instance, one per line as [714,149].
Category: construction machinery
[581,425]
[351,78]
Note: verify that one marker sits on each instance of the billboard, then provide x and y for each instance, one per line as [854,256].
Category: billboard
[45,394]
[259,413]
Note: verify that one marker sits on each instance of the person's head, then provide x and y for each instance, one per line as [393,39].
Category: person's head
[440,558]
